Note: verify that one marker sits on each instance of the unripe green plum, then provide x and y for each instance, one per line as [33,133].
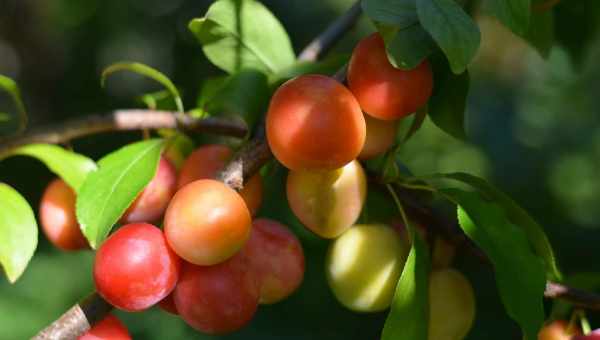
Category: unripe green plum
[151,203]
[364,265]
[110,328]
[559,330]
[451,305]
[328,202]
[380,137]
[57,217]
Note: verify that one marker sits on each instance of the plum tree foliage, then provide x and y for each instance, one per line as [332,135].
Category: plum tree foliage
[192,233]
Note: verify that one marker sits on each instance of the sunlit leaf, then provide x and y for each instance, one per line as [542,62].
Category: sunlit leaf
[519,272]
[242,34]
[18,232]
[72,167]
[109,191]
[517,215]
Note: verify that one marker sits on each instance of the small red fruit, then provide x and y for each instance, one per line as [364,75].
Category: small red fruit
[135,268]
[277,259]
[558,330]
[382,90]
[151,203]
[314,123]
[57,217]
[207,222]
[110,328]
[217,299]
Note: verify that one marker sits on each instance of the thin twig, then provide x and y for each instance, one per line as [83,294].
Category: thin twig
[122,120]
[326,40]
[246,162]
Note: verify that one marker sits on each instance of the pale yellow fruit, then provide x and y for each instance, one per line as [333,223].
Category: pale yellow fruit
[364,265]
[328,202]
[451,305]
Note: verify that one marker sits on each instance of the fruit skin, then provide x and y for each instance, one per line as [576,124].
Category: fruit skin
[362,276]
[381,135]
[57,217]
[207,222]
[594,335]
[217,299]
[110,328]
[314,123]
[328,202]
[558,330]
[382,90]
[451,305]
[168,305]
[206,161]
[276,258]
[135,268]
[151,203]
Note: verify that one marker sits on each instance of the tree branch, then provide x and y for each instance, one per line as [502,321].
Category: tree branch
[246,162]
[448,228]
[122,120]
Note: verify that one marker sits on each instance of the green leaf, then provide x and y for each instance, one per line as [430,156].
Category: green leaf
[328,66]
[517,215]
[406,46]
[72,167]
[12,89]
[519,272]
[541,32]
[398,13]
[18,232]
[109,191]
[453,30]
[210,88]
[409,311]
[514,14]
[240,34]
[448,102]
[146,71]
[234,98]
[4,117]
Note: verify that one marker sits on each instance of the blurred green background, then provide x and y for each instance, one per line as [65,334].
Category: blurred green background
[533,126]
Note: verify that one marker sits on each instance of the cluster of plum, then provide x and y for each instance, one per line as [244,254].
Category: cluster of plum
[317,127]
[212,264]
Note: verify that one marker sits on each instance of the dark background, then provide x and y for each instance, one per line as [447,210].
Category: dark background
[533,127]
